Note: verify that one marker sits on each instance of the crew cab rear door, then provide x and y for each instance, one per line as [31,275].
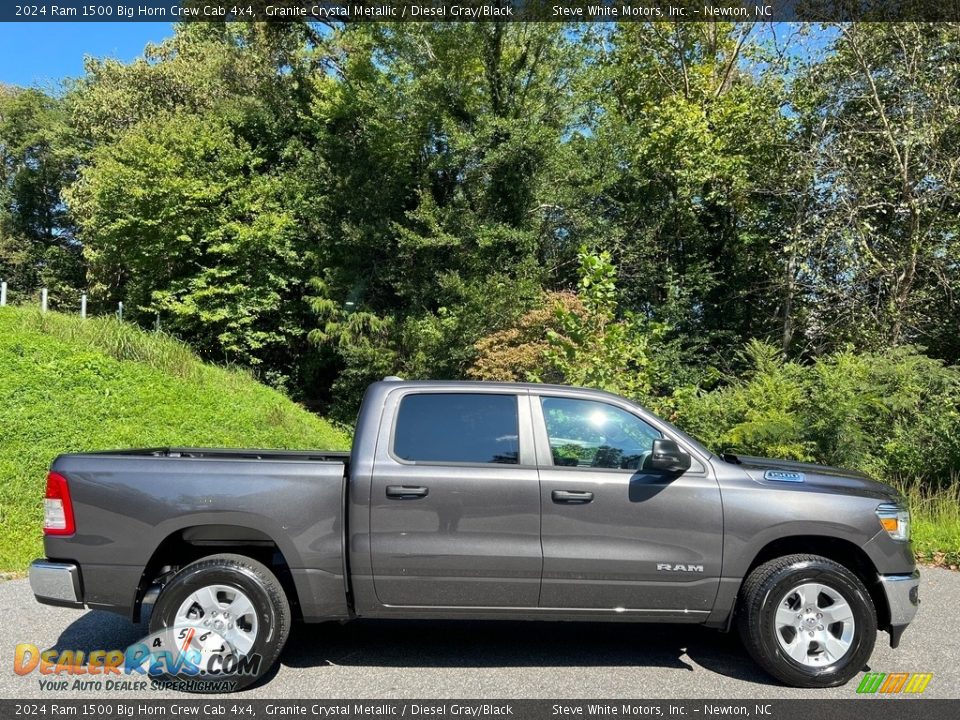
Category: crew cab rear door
[617,537]
[455,500]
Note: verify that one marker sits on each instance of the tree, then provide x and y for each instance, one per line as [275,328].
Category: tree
[583,339]
[188,200]
[522,351]
[680,176]
[888,184]
[436,139]
[180,222]
[38,245]
[332,204]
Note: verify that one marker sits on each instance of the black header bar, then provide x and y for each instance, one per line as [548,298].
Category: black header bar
[341,11]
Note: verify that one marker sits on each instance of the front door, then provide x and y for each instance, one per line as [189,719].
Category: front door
[616,536]
[455,503]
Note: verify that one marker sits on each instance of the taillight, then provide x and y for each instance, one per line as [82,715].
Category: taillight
[57,507]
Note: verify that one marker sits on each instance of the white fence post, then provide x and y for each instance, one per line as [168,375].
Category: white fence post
[3,294]
[43,300]
[120,310]
[83,306]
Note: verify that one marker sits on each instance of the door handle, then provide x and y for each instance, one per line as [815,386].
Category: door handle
[571,497]
[406,492]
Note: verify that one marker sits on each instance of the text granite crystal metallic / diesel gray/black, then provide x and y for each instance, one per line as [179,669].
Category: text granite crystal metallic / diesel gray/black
[488,501]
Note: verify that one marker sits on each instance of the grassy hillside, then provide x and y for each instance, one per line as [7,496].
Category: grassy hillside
[70,385]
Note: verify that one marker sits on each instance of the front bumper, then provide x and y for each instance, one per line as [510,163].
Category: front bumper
[56,583]
[903,599]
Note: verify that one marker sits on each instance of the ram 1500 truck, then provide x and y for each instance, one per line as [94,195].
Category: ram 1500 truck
[486,501]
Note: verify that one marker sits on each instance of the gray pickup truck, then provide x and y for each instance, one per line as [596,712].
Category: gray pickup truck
[486,501]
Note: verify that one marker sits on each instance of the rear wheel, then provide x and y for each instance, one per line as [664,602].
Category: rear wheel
[807,620]
[227,616]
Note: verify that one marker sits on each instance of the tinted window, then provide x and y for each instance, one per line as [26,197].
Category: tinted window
[585,433]
[457,427]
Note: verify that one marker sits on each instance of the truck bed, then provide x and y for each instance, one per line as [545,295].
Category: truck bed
[128,503]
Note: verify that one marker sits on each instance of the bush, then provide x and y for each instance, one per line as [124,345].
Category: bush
[583,339]
[894,414]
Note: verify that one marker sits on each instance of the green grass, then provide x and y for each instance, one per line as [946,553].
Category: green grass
[68,385]
[935,516]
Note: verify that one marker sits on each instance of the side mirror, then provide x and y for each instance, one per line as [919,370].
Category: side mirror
[668,457]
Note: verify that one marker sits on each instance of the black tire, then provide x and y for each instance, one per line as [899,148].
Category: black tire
[761,596]
[264,592]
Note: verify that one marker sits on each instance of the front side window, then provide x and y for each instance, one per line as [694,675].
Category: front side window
[458,428]
[591,434]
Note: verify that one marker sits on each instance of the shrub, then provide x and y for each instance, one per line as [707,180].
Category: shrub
[893,414]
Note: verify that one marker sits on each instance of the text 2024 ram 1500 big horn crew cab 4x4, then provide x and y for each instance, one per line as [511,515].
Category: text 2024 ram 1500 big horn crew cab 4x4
[486,500]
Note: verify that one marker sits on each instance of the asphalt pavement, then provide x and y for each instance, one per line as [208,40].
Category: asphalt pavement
[399,659]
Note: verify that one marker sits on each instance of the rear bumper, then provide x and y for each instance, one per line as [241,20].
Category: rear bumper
[903,599]
[56,583]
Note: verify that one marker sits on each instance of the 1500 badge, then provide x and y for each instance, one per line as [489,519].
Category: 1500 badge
[783,476]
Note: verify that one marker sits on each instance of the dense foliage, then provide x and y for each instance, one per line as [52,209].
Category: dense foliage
[752,228]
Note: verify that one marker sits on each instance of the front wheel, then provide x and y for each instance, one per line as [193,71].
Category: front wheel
[222,622]
[807,620]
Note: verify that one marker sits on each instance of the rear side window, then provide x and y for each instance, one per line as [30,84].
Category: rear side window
[457,428]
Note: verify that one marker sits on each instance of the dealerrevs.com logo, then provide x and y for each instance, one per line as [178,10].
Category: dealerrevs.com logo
[894,683]
[188,658]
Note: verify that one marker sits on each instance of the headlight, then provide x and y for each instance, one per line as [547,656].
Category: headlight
[895,519]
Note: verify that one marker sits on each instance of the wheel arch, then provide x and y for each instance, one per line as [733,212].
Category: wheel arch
[189,543]
[838,549]
[841,551]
